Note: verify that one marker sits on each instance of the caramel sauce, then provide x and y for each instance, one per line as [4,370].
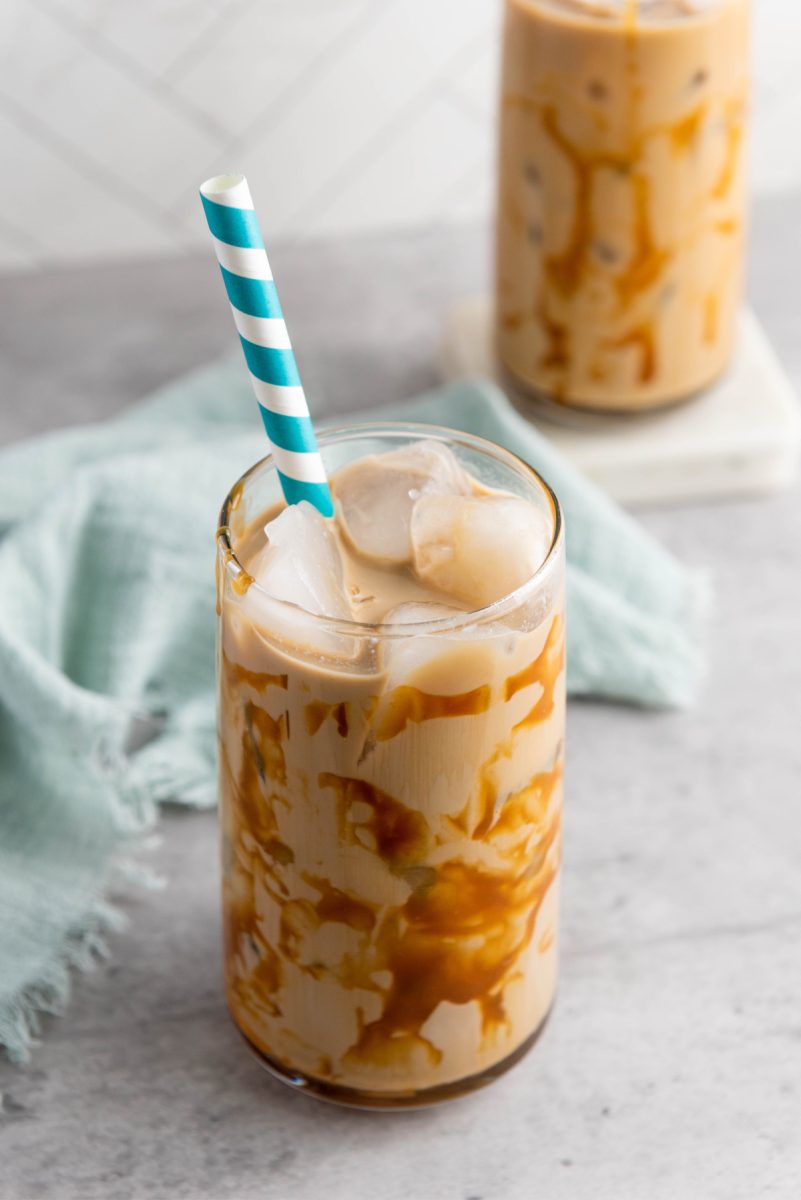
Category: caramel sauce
[568,269]
[237,492]
[316,712]
[251,810]
[684,133]
[241,582]
[400,835]
[279,852]
[266,750]
[459,935]
[264,979]
[642,340]
[458,942]
[340,906]
[239,578]
[544,670]
[540,669]
[527,808]
[648,261]
[408,705]
[557,354]
[258,680]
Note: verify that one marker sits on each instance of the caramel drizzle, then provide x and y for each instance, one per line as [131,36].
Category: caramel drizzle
[316,713]
[567,269]
[648,261]
[685,132]
[259,681]
[544,670]
[457,941]
[640,339]
[408,705]
[398,834]
[541,669]
[459,935]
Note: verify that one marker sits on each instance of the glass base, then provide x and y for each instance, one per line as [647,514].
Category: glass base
[583,414]
[334,1093]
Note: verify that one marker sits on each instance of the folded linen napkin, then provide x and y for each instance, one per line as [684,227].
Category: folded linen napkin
[107,627]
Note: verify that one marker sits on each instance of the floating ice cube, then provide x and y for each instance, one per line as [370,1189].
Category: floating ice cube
[477,548]
[450,661]
[416,612]
[376,496]
[401,656]
[300,564]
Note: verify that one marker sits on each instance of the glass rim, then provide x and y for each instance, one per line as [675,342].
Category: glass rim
[459,621]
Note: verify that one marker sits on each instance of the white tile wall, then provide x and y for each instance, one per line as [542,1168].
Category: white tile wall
[347,115]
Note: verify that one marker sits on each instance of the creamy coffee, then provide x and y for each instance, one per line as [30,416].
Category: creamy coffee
[391,785]
[621,208]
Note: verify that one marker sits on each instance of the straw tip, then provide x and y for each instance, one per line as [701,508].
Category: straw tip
[219,184]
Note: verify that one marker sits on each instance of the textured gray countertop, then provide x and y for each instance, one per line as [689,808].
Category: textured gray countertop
[672,1066]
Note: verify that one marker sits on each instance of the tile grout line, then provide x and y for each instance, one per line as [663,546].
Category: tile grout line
[359,23]
[16,233]
[455,188]
[236,143]
[74,156]
[93,41]
[188,57]
[378,141]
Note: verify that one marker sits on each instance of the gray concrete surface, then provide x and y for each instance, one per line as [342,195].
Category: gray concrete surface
[672,1067]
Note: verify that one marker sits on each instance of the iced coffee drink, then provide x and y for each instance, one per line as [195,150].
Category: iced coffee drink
[621,207]
[391,722]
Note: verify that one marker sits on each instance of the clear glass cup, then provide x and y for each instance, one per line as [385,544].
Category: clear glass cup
[622,197]
[390,806]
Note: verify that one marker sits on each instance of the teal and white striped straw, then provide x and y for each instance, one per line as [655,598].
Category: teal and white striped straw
[262,331]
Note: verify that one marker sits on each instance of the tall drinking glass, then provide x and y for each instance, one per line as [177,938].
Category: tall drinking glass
[622,197]
[390,803]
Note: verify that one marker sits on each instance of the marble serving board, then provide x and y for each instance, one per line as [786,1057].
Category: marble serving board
[741,437]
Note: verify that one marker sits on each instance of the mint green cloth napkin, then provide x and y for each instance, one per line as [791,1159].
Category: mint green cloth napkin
[107,631]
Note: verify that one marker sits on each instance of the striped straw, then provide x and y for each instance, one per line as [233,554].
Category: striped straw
[262,331]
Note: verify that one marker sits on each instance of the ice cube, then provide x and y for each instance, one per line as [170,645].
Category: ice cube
[416,612]
[376,496]
[301,564]
[477,548]
[401,656]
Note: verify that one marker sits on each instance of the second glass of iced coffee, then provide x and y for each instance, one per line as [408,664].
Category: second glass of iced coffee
[391,754]
[622,197]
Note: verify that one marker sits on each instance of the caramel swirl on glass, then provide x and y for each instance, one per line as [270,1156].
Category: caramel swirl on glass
[391,833]
[622,197]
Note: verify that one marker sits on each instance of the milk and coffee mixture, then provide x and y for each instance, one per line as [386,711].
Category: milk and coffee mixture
[391,803]
[622,196]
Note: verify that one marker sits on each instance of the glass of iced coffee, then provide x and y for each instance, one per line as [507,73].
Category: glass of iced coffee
[391,720]
[622,197]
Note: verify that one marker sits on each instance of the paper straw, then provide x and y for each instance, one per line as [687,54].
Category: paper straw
[262,331]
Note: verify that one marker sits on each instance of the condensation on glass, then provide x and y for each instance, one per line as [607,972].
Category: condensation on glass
[622,197]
